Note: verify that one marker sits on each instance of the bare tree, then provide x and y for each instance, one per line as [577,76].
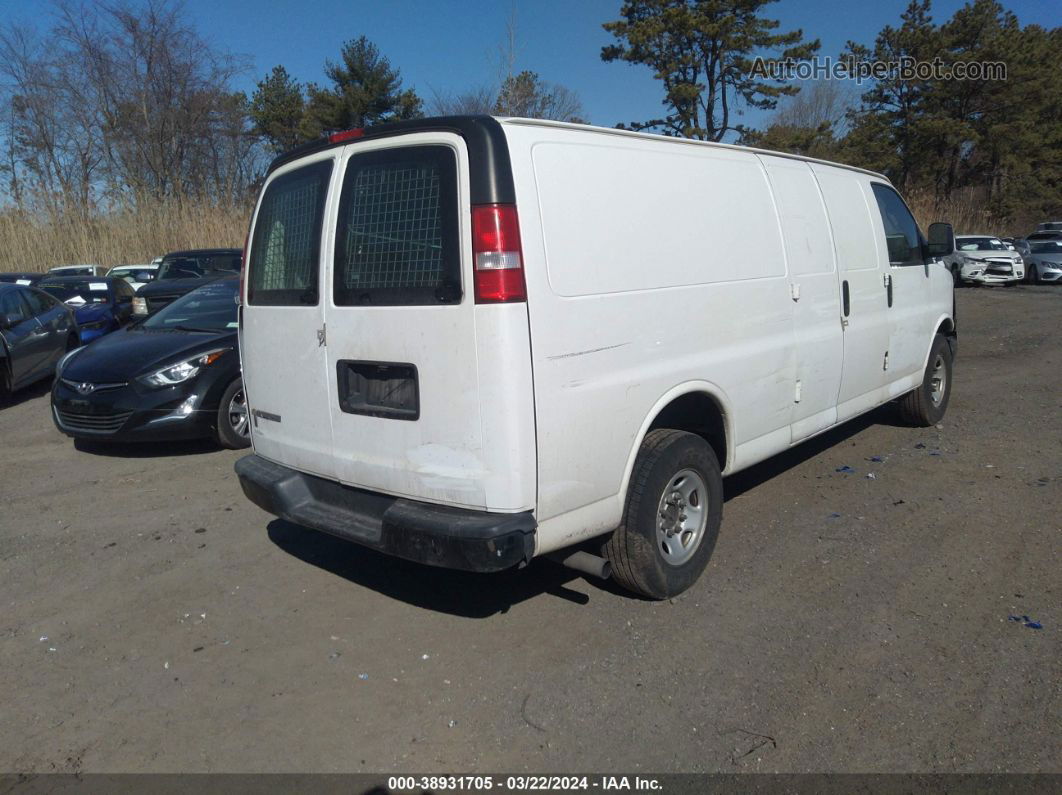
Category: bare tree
[122,100]
[474,101]
[526,95]
[53,143]
[521,93]
[819,102]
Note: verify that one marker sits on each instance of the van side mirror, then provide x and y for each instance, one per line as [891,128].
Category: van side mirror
[941,240]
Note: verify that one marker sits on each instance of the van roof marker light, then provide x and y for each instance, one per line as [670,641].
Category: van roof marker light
[346,135]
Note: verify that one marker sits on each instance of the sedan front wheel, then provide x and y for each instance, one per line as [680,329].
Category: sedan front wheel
[234,430]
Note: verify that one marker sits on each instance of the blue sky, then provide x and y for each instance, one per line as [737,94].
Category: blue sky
[449,46]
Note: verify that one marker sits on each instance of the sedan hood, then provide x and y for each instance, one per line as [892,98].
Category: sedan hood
[132,351]
[1003,256]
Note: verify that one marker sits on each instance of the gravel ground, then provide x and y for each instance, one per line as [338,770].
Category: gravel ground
[154,620]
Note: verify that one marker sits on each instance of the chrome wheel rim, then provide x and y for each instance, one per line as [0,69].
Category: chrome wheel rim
[238,414]
[938,381]
[682,516]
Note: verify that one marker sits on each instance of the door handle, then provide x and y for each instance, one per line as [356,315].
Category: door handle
[845,297]
[888,287]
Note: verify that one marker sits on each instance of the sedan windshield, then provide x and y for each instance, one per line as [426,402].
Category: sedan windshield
[981,244]
[86,292]
[198,267]
[210,308]
[130,274]
[1046,247]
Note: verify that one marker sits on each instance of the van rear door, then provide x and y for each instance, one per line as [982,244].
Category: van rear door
[282,331]
[430,393]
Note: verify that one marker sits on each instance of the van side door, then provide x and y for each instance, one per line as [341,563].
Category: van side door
[817,338]
[863,293]
[900,243]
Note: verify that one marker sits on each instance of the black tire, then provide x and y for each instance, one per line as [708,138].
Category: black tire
[926,405]
[1034,274]
[636,548]
[230,434]
[72,341]
[956,278]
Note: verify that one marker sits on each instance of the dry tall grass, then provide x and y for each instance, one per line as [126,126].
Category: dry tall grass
[125,236]
[968,212]
[136,235]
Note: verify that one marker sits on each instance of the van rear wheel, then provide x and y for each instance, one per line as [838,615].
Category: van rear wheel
[671,522]
[926,405]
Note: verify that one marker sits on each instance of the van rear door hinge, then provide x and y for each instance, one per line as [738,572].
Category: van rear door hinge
[321,335]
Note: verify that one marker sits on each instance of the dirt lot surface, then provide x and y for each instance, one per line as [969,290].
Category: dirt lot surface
[154,620]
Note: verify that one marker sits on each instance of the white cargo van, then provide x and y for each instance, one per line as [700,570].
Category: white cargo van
[471,341]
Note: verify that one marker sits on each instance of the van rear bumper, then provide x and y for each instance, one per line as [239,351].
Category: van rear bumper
[453,538]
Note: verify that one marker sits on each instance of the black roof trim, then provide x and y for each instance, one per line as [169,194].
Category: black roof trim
[491,173]
[200,252]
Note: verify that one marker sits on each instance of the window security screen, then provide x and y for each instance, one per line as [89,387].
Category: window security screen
[397,241]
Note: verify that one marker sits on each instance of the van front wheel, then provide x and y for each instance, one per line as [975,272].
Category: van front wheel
[926,405]
[671,522]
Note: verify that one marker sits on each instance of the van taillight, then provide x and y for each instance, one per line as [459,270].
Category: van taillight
[498,263]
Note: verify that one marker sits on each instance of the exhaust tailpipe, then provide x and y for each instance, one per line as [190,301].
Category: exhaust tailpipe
[584,562]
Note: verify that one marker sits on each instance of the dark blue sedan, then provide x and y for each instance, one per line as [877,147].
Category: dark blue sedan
[36,331]
[101,304]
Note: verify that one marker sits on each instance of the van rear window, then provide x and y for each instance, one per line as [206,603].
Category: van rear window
[397,239]
[287,239]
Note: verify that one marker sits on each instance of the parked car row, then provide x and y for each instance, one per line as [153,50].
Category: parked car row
[986,259]
[171,373]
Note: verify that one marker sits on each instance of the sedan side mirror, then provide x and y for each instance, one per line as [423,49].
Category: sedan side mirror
[941,240]
[145,276]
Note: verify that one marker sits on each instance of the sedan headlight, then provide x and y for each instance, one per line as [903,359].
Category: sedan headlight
[59,365]
[183,371]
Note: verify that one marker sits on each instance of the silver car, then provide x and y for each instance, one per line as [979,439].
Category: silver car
[987,260]
[1045,261]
